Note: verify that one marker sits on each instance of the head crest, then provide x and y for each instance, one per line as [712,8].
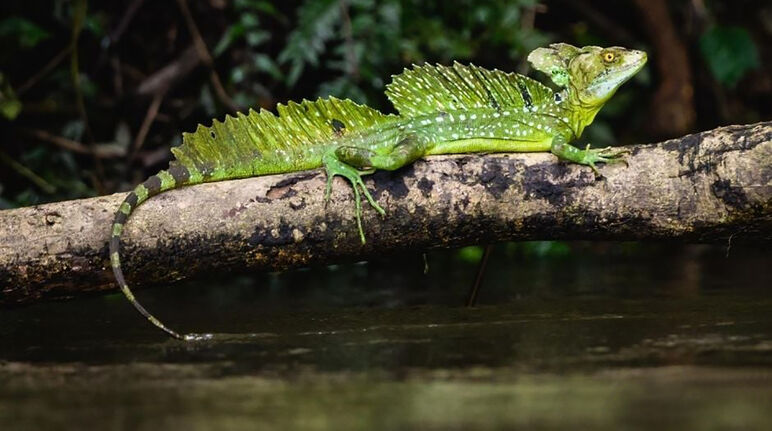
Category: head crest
[554,61]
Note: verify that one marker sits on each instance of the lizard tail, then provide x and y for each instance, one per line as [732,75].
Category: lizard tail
[176,176]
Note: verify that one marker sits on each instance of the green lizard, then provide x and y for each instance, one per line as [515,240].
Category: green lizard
[442,110]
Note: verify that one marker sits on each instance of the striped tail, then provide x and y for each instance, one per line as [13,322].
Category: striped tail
[176,176]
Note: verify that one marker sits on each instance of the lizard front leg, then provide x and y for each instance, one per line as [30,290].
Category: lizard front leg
[561,148]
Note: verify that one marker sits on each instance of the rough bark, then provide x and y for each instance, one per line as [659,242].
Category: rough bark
[714,186]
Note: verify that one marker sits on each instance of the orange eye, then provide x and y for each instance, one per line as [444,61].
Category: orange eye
[608,57]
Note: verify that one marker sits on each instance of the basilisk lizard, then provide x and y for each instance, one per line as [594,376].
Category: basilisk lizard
[442,110]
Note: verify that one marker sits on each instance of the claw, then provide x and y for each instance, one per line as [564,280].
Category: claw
[595,169]
[328,188]
[606,155]
[358,213]
[336,167]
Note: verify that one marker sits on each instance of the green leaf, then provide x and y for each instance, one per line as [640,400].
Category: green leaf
[318,22]
[265,63]
[539,249]
[729,52]
[10,107]
[27,33]
[257,37]
[471,254]
[233,33]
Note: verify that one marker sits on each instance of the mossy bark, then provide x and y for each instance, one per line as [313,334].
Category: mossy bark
[714,187]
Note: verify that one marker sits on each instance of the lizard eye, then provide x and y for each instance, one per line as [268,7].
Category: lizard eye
[609,57]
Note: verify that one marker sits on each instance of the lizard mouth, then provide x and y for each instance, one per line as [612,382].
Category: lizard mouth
[620,75]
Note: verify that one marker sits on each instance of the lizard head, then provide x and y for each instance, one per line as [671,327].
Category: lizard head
[591,73]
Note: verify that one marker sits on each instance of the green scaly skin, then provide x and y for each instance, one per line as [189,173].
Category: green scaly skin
[442,110]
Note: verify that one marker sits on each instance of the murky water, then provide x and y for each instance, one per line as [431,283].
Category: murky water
[615,337]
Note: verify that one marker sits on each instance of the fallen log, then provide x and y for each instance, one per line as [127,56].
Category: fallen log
[711,187]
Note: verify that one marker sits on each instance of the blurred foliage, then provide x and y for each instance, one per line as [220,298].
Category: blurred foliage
[347,45]
[729,52]
[24,33]
[9,104]
[522,249]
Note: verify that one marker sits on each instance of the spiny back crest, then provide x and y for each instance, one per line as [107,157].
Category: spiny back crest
[238,141]
[431,88]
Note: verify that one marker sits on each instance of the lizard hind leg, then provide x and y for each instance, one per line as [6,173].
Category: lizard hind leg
[352,162]
[334,166]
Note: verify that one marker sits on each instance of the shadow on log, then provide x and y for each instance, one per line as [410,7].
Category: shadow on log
[713,187]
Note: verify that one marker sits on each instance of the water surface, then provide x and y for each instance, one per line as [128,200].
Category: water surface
[612,336]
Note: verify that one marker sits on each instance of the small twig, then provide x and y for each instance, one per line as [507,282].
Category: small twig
[128,15]
[222,95]
[103,152]
[27,173]
[44,71]
[150,115]
[206,58]
[117,32]
[78,19]
[67,144]
[471,299]
[729,245]
[117,76]
[198,41]
[527,21]
[161,80]
[352,68]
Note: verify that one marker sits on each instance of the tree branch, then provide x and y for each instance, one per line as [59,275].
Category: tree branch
[706,187]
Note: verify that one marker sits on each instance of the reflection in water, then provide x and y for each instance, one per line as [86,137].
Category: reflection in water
[612,336]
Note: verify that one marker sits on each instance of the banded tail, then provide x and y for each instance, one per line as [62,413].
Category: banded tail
[176,176]
[257,143]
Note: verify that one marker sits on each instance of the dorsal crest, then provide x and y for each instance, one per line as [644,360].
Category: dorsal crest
[431,88]
[239,140]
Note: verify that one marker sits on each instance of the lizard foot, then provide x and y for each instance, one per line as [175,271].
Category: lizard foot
[606,155]
[333,167]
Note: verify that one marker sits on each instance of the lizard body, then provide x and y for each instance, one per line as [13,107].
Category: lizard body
[442,110]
